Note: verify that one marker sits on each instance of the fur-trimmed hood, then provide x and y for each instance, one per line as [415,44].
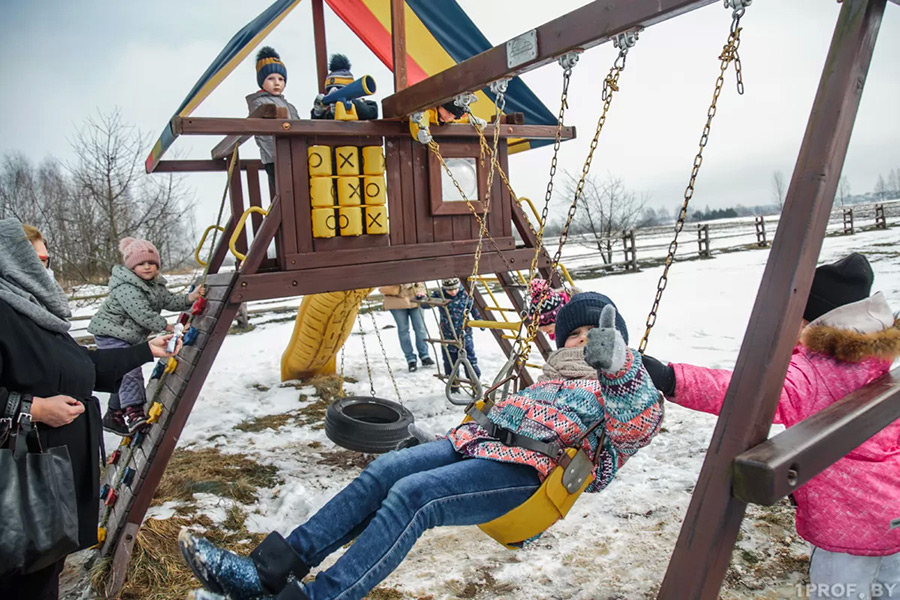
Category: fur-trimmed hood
[856,331]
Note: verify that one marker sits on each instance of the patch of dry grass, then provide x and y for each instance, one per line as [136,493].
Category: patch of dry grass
[208,470]
[157,570]
[265,422]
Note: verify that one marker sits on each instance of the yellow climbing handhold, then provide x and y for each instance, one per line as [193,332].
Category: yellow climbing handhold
[154,413]
[171,365]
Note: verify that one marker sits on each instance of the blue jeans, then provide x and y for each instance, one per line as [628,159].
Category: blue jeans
[403,316]
[132,391]
[392,502]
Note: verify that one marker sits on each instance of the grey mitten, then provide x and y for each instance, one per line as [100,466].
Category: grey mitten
[605,350]
[417,436]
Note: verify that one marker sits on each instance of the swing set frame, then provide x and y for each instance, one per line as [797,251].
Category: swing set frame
[741,465]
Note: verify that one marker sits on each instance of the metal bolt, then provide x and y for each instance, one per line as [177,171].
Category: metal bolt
[285,126]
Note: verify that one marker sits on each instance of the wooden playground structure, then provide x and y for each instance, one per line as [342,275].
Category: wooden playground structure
[420,236]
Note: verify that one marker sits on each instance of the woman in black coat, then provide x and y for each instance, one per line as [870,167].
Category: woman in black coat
[41,363]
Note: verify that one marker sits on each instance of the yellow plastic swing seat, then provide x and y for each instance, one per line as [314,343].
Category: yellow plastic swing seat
[550,503]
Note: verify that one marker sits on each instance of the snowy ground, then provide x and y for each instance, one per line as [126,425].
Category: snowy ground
[614,545]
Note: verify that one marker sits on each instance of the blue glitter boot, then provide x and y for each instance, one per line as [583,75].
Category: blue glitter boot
[266,572]
[220,571]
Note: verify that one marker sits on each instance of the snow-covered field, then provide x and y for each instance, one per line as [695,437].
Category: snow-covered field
[614,545]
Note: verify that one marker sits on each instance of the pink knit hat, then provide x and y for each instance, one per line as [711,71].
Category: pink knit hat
[137,251]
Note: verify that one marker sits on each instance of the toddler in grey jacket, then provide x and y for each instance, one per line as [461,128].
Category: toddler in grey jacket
[137,295]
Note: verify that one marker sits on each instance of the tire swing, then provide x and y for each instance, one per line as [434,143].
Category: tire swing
[368,423]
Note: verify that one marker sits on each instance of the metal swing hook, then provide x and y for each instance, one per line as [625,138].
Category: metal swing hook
[568,60]
[738,8]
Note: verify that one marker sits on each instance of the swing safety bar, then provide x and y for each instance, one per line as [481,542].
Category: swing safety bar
[199,260]
[240,228]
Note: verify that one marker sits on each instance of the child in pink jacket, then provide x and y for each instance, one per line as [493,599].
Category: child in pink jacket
[850,512]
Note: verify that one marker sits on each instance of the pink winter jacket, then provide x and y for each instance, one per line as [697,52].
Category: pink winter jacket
[854,505]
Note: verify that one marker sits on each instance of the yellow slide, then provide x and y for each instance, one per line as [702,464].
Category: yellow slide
[323,324]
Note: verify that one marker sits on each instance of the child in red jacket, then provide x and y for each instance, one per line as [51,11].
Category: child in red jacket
[850,512]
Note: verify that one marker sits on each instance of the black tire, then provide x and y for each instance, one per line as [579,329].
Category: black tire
[367,424]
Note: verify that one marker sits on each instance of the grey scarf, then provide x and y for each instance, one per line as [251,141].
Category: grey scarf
[26,285]
[567,363]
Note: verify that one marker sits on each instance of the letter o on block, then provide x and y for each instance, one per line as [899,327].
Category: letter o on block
[374,190]
[319,160]
[324,222]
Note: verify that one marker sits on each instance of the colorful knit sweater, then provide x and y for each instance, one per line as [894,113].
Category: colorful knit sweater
[560,410]
[455,324]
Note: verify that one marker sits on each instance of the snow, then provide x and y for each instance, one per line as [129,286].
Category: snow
[615,544]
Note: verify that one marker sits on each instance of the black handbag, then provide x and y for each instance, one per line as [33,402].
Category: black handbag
[38,507]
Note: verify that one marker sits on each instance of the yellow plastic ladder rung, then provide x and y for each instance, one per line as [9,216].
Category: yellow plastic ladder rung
[509,337]
[533,366]
[495,324]
[500,309]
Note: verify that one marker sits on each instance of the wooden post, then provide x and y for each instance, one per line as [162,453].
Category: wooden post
[398,43]
[703,240]
[761,232]
[848,221]
[630,250]
[713,520]
[880,221]
[318,16]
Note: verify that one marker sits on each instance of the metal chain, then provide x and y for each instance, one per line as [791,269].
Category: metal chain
[610,86]
[384,354]
[729,54]
[366,356]
[567,62]
[341,379]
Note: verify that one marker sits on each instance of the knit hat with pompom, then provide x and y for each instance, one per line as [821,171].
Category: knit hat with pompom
[136,251]
[544,302]
[268,62]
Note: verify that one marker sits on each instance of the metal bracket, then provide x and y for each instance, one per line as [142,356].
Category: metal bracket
[627,39]
[569,59]
[499,86]
[738,4]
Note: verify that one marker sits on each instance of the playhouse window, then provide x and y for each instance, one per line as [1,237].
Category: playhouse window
[471,175]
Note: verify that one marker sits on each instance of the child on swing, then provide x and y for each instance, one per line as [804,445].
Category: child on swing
[466,478]
[544,304]
[850,512]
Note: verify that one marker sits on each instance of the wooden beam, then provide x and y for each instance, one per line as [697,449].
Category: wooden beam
[398,43]
[308,127]
[329,279]
[265,111]
[318,17]
[184,166]
[713,520]
[583,28]
[772,470]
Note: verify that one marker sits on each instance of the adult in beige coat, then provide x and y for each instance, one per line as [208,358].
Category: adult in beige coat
[401,301]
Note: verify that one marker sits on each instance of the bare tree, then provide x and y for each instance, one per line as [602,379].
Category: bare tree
[84,209]
[842,194]
[120,199]
[894,182]
[779,188]
[606,208]
[881,188]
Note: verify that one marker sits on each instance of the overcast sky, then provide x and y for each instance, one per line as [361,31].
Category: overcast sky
[63,61]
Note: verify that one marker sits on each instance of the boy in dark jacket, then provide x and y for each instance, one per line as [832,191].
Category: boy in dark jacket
[271,77]
[339,76]
[453,323]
